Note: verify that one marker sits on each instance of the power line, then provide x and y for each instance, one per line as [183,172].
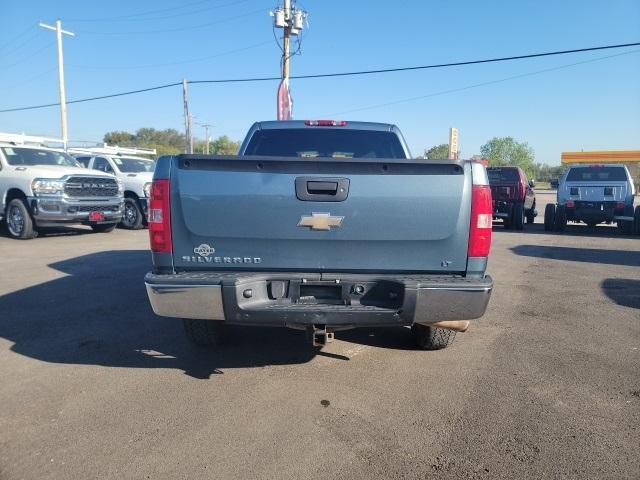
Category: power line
[140,14]
[482,84]
[171,30]
[29,57]
[27,81]
[180,62]
[330,75]
[90,99]
[175,15]
[20,35]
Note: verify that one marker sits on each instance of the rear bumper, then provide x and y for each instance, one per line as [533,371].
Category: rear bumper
[298,300]
[594,211]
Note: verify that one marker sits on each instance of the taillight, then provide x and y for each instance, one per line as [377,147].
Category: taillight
[159,217]
[325,123]
[620,205]
[481,221]
[570,204]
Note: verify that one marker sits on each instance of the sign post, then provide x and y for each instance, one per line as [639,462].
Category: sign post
[453,143]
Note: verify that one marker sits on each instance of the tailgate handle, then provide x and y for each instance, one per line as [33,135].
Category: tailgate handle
[322,189]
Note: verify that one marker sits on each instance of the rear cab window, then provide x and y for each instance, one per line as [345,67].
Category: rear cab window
[503,175]
[319,142]
[596,174]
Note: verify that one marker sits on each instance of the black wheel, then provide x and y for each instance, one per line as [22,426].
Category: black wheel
[104,227]
[636,221]
[531,214]
[132,217]
[204,332]
[549,217]
[518,216]
[432,338]
[561,218]
[508,221]
[626,226]
[19,221]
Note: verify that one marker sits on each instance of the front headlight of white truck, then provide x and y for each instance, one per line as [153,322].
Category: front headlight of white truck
[47,186]
[120,186]
[147,189]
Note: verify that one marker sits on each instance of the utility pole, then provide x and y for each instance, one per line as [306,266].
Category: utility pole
[291,20]
[63,97]
[206,137]
[285,40]
[187,118]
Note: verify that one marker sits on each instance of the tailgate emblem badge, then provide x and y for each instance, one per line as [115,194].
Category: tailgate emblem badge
[320,221]
[204,250]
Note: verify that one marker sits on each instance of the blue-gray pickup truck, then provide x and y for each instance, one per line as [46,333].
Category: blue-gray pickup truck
[320,225]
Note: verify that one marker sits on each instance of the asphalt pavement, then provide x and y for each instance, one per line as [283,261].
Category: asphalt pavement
[546,385]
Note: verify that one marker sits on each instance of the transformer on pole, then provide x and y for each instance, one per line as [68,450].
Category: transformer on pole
[292,21]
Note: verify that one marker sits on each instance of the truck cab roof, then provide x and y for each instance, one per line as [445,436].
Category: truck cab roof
[339,124]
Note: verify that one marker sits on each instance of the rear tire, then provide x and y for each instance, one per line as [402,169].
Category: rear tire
[626,226]
[204,332]
[508,221]
[104,227]
[432,338]
[518,216]
[531,214]
[19,221]
[132,217]
[636,221]
[549,217]
[561,218]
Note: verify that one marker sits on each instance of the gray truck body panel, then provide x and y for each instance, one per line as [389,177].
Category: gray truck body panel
[413,216]
[245,252]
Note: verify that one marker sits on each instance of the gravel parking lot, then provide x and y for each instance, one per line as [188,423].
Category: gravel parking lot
[546,385]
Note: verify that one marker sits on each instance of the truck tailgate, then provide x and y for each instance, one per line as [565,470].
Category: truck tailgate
[267,213]
[597,192]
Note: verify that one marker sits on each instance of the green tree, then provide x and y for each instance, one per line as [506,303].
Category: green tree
[505,151]
[169,141]
[166,142]
[220,146]
[437,152]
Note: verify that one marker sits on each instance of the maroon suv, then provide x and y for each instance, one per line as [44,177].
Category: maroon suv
[513,196]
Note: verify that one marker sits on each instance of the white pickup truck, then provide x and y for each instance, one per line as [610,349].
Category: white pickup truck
[134,171]
[41,186]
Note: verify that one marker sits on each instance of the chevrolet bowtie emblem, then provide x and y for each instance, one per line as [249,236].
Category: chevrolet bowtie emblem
[320,221]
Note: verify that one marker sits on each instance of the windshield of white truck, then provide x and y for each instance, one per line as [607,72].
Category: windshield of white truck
[316,142]
[134,165]
[597,173]
[31,156]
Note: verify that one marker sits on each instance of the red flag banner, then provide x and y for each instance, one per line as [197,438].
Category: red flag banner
[285,103]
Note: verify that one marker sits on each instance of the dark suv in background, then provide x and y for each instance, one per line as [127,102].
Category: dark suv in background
[513,197]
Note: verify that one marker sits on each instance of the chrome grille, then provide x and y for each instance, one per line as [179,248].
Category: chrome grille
[91,187]
[98,208]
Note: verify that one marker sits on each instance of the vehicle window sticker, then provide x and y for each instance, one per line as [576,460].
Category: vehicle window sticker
[117,161]
[9,151]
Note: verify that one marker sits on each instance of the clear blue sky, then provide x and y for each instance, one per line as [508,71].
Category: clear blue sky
[125,45]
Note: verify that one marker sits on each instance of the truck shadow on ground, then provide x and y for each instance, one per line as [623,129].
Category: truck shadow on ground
[600,231]
[587,255]
[623,291]
[52,231]
[99,315]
